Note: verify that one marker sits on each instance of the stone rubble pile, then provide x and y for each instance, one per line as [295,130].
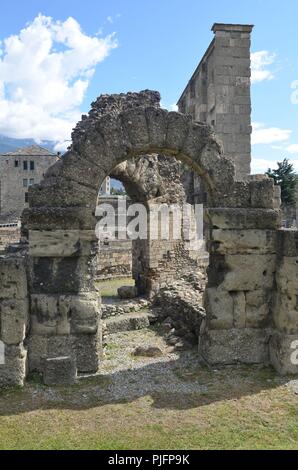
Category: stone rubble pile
[180,306]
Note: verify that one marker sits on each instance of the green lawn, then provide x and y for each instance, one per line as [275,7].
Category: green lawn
[251,410]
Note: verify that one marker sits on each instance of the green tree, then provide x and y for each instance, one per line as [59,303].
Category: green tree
[285,177]
[118,192]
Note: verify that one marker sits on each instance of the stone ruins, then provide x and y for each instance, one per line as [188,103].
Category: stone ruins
[51,317]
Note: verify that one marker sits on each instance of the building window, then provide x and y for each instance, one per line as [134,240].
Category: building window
[25,183]
[26,197]
[16,163]
[32,165]
[25,165]
[31,181]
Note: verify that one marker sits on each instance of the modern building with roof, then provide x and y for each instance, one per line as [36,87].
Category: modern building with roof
[19,170]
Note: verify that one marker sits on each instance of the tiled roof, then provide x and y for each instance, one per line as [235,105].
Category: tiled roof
[31,151]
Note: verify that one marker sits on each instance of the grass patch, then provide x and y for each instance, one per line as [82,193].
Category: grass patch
[243,408]
[109,288]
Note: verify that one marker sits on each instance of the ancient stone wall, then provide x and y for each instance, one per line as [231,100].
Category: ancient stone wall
[9,234]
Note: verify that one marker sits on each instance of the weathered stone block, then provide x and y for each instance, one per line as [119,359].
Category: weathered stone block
[288,243]
[284,353]
[239,275]
[59,371]
[243,241]
[219,309]
[257,308]
[262,193]
[65,314]
[13,278]
[53,218]
[61,243]
[62,192]
[229,218]
[287,275]
[14,320]
[157,126]
[245,346]
[67,275]
[239,314]
[13,371]
[127,292]
[177,130]
[87,349]
[135,124]
[285,313]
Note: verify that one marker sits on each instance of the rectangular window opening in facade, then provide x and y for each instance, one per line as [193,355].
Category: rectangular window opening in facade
[25,183]
[26,197]
[31,181]
[25,165]
[16,163]
[32,165]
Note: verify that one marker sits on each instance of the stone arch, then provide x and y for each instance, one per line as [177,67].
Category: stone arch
[124,126]
[243,219]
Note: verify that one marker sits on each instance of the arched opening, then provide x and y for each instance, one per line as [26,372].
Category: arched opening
[168,262]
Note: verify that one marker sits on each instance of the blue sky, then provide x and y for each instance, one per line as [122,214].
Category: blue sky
[156,44]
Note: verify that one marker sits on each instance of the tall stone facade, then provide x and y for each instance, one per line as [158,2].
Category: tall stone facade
[18,171]
[218,93]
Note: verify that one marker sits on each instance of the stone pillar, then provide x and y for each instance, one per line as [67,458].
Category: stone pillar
[219,92]
[13,321]
[241,281]
[65,306]
[284,342]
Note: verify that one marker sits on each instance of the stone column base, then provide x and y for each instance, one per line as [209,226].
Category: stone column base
[244,346]
[284,353]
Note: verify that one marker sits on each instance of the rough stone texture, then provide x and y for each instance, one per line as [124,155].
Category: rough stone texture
[59,371]
[14,319]
[246,346]
[182,302]
[123,307]
[148,351]
[127,322]
[13,371]
[127,292]
[284,353]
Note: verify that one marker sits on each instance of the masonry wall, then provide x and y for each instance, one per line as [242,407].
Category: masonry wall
[218,93]
[9,234]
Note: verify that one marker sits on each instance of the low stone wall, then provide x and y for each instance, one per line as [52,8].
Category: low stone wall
[14,314]
[9,234]
[114,259]
[182,303]
[125,306]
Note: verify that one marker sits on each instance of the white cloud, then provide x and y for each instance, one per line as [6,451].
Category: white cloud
[268,135]
[261,165]
[45,71]
[293,148]
[259,66]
